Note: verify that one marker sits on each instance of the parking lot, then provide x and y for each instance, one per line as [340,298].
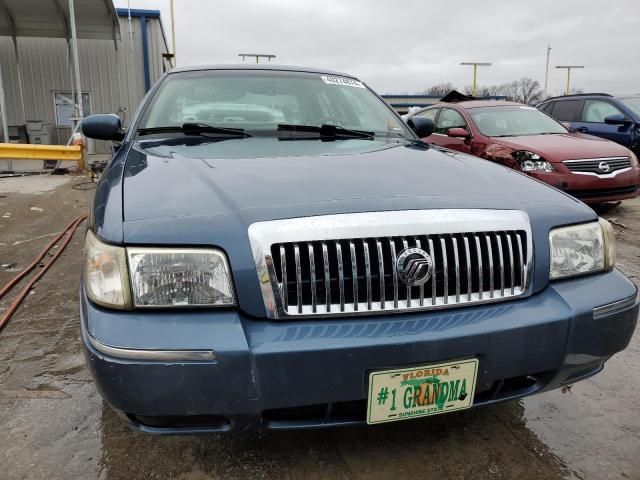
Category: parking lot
[54,423]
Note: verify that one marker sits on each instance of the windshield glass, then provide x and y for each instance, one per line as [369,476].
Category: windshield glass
[513,120]
[633,103]
[259,101]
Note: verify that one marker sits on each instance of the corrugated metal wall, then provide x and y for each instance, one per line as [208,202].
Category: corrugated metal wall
[113,77]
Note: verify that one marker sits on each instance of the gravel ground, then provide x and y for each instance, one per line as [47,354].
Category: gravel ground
[54,425]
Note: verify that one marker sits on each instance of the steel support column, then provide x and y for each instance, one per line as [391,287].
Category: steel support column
[76,60]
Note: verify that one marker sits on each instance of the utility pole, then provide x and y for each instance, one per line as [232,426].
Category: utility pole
[546,72]
[475,71]
[568,68]
[76,60]
[173,33]
[257,56]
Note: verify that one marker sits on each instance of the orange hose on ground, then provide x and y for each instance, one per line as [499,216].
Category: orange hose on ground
[33,264]
[70,230]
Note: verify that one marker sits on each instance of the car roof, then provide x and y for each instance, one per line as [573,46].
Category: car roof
[467,104]
[488,103]
[578,96]
[262,66]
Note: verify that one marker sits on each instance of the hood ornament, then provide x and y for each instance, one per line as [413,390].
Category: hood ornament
[604,167]
[414,266]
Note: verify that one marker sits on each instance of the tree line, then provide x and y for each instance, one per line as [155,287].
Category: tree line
[526,90]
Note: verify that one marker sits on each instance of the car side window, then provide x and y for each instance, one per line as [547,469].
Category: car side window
[430,114]
[449,118]
[567,110]
[595,111]
[546,108]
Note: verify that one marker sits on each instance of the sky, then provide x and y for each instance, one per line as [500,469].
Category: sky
[406,46]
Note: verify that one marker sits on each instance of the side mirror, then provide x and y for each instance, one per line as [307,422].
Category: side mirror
[423,127]
[104,126]
[458,133]
[615,119]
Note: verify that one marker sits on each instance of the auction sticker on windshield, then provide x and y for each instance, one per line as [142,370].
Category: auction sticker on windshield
[421,391]
[334,80]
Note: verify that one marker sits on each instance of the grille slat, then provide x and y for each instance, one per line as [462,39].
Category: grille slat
[284,294]
[434,291]
[480,269]
[511,265]
[592,165]
[523,271]
[405,245]
[467,253]
[490,257]
[500,257]
[327,276]
[340,274]
[445,271]
[312,269]
[348,276]
[354,274]
[381,274]
[367,273]
[296,252]
[456,262]
[394,269]
[419,245]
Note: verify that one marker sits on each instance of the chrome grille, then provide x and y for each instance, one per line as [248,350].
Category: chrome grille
[482,257]
[591,166]
[360,274]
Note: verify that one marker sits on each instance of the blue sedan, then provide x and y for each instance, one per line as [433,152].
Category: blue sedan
[273,247]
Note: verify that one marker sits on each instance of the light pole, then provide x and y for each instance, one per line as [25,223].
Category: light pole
[173,33]
[475,71]
[546,72]
[569,67]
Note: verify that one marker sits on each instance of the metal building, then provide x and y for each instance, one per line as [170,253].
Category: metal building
[115,73]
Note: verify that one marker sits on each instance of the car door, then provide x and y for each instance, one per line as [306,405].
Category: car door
[592,121]
[451,118]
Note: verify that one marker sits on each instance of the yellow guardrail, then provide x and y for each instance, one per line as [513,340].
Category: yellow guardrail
[22,151]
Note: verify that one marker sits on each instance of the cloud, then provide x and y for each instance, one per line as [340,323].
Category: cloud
[400,47]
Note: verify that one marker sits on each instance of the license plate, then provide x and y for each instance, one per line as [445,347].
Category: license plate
[420,391]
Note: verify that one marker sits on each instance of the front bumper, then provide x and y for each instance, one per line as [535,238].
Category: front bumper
[239,372]
[593,189]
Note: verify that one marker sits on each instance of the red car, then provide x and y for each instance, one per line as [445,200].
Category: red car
[521,137]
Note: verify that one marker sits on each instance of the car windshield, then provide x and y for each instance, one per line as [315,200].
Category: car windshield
[513,120]
[258,101]
[633,103]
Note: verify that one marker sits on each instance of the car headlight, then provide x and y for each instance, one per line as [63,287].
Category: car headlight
[156,277]
[532,162]
[582,249]
[168,277]
[634,159]
[105,273]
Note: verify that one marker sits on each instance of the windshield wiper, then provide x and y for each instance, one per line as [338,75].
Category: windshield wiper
[326,130]
[190,128]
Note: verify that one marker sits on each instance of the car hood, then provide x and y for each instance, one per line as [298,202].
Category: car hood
[559,147]
[209,195]
[185,194]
